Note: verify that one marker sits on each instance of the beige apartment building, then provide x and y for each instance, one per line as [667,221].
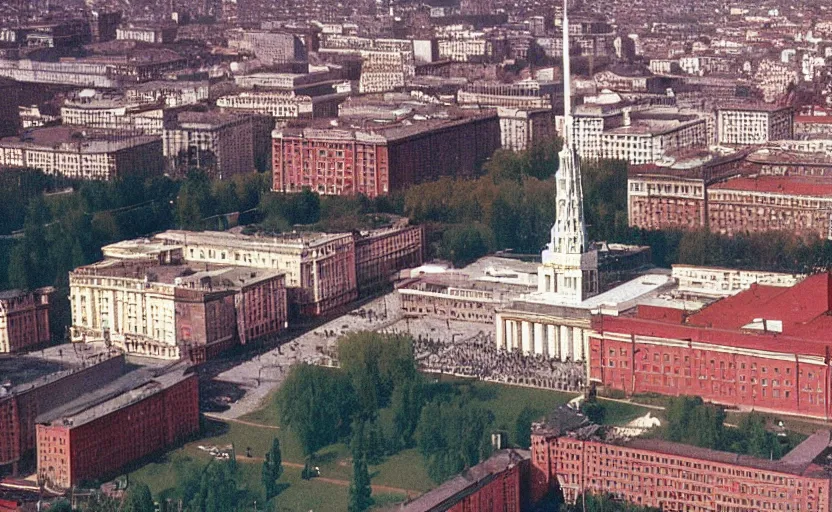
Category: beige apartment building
[83,154]
[320,268]
[157,307]
[750,125]
[278,104]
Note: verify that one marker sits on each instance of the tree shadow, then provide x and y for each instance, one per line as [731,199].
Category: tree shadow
[280,487]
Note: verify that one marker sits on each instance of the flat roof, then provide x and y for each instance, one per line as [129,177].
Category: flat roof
[797,468]
[240,241]
[786,185]
[75,139]
[118,394]
[453,490]
[621,298]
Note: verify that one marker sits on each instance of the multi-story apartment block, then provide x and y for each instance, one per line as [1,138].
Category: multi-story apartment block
[464,49]
[24,319]
[269,47]
[114,112]
[171,311]
[170,93]
[753,125]
[89,155]
[673,476]
[639,137]
[101,432]
[103,71]
[525,94]
[152,35]
[320,268]
[385,70]
[381,253]
[221,144]
[522,129]
[771,203]
[341,161]
[280,105]
[666,200]
[22,401]
[748,192]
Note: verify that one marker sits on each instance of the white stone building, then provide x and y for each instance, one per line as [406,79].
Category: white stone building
[522,129]
[752,125]
[278,104]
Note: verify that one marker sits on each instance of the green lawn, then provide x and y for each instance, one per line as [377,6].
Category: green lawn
[404,470]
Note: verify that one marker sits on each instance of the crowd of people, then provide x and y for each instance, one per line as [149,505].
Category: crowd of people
[479,357]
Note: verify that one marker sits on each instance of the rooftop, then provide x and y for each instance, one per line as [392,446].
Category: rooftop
[450,492]
[614,301]
[72,138]
[118,394]
[793,320]
[788,185]
[240,241]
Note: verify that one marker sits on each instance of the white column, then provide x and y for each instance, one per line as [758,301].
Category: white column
[526,337]
[111,312]
[499,323]
[577,343]
[509,335]
[88,293]
[539,342]
[564,342]
[552,341]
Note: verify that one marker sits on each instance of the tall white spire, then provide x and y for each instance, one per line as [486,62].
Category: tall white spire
[567,82]
[570,264]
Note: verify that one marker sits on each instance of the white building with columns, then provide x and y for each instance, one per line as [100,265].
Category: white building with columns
[540,324]
[555,320]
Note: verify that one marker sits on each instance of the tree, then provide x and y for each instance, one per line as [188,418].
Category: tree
[592,409]
[691,421]
[138,499]
[266,472]
[272,469]
[61,505]
[453,436]
[360,489]
[523,426]
[317,404]
[406,404]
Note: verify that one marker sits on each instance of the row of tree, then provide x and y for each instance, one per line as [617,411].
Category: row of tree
[321,406]
[691,421]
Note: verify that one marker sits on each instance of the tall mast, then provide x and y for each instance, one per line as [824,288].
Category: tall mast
[567,79]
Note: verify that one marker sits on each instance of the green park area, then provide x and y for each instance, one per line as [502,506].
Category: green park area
[395,477]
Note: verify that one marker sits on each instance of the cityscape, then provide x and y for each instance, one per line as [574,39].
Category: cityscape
[415,256]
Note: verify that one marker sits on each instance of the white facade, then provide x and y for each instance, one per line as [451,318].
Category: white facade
[754,126]
[276,104]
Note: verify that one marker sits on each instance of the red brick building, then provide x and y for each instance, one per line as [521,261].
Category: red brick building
[767,348]
[771,203]
[341,161]
[676,477]
[24,319]
[381,253]
[497,484]
[22,403]
[785,189]
[141,413]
